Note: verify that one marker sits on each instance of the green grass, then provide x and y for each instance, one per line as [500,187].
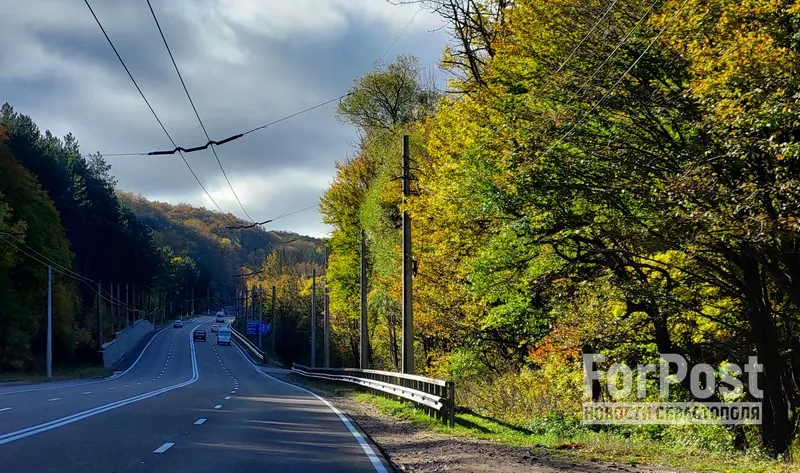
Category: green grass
[59,374]
[575,444]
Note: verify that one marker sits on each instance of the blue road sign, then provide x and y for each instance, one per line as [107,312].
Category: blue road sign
[264,327]
[252,328]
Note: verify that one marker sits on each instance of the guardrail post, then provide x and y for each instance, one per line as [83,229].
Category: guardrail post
[451,403]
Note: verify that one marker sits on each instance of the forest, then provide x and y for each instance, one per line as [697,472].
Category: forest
[62,209]
[613,177]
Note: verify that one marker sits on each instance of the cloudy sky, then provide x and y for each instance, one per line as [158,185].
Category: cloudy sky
[245,62]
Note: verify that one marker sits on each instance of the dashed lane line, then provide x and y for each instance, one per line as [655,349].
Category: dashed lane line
[200,421]
[164,447]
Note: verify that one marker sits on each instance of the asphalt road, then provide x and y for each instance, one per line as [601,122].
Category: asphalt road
[183,406]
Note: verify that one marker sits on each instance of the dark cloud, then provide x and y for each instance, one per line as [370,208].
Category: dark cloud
[246,63]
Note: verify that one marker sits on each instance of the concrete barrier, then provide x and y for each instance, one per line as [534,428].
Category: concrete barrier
[124,341]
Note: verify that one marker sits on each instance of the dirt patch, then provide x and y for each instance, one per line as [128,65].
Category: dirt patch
[414,449]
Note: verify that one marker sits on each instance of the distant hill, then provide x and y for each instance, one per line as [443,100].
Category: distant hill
[219,252]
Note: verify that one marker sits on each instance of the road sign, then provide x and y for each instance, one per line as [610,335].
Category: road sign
[264,327]
[252,328]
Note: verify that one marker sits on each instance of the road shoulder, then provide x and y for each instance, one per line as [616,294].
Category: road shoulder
[410,447]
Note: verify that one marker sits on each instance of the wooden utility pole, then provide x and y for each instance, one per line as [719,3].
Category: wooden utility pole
[408,319]
[363,352]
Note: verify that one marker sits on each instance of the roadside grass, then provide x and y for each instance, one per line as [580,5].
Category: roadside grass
[575,445]
[60,373]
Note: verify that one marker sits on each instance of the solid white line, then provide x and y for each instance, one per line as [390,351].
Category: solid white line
[85,383]
[218,406]
[227,397]
[373,458]
[199,421]
[5,409]
[54,424]
[54,399]
[164,447]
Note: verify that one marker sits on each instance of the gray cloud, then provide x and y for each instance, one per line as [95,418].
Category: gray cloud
[246,63]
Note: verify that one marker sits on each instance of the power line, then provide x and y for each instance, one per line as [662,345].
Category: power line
[151,108]
[180,76]
[254,224]
[621,78]
[211,142]
[64,271]
[411,20]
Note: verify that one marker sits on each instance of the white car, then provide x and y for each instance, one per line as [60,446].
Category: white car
[215,328]
[224,336]
[220,317]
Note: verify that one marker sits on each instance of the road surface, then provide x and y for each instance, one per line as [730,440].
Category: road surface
[182,407]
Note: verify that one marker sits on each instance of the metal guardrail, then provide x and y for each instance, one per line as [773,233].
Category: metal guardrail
[435,396]
[248,344]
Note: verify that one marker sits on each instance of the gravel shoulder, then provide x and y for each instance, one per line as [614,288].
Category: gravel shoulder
[410,447]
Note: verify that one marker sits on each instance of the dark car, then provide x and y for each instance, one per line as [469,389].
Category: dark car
[199,335]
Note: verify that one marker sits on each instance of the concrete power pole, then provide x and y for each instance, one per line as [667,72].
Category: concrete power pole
[192,300]
[118,301]
[363,352]
[314,318]
[326,334]
[49,322]
[99,326]
[260,315]
[408,324]
[272,351]
[127,307]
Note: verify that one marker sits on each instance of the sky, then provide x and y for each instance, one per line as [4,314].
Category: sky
[245,63]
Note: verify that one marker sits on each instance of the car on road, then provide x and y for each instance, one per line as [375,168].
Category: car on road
[224,336]
[215,328]
[220,317]
[178,324]
[199,335]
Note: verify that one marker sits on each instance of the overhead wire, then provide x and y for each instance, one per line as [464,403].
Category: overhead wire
[188,95]
[210,142]
[111,43]
[44,260]
[254,224]
[621,78]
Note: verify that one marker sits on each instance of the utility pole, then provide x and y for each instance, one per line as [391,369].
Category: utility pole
[326,337]
[273,322]
[49,322]
[408,325]
[208,303]
[314,318]
[99,327]
[118,301]
[363,362]
[260,305]
[134,304]
[127,307]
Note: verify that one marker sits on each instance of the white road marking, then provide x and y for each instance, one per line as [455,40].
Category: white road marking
[4,409]
[373,458]
[54,399]
[233,392]
[54,424]
[87,392]
[84,383]
[227,397]
[199,421]
[218,406]
[164,447]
